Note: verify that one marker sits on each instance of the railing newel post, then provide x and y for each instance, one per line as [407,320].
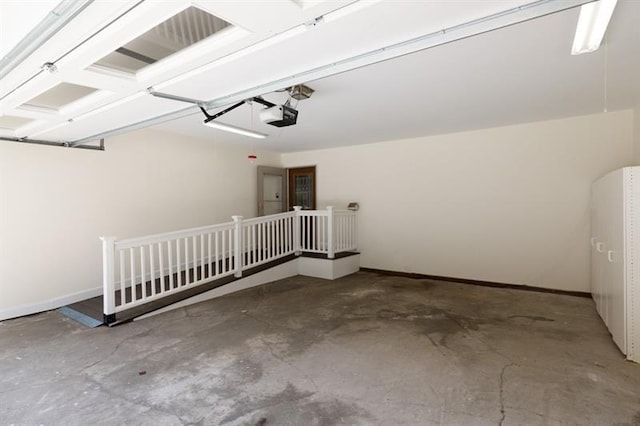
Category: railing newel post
[331,249]
[297,245]
[237,237]
[108,279]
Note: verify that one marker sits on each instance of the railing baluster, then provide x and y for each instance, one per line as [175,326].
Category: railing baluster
[230,253]
[297,240]
[274,225]
[143,273]
[310,228]
[292,233]
[269,240]
[238,251]
[209,264]
[178,262]
[194,258]
[287,232]
[133,274]
[152,269]
[224,252]
[265,241]
[170,261]
[280,239]
[217,246]
[304,233]
[162,274]
[187,262]
[253,244]
[123,278]
[201,257]
[246,246]
[259,253]
[313,231]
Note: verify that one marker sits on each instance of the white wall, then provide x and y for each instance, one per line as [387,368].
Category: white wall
[55,203]
[508,204]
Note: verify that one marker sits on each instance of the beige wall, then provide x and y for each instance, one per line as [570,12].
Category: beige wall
[55,203]
[509,204]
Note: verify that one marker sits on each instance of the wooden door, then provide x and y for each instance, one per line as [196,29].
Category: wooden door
[302,187]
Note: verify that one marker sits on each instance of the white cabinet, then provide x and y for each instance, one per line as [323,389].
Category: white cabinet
[615,256]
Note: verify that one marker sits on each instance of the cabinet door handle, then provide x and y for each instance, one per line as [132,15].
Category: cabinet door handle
[593,241]
[610,256]
[600,247]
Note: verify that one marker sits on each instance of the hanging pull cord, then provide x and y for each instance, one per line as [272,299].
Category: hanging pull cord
[606,74]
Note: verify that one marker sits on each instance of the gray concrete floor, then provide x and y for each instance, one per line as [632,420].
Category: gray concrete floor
[365,349]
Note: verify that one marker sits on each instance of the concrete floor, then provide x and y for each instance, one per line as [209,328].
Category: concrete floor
[365,349]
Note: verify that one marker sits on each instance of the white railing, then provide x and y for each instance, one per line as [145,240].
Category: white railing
[141,270]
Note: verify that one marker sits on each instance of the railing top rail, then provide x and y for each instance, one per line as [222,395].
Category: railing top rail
[325,212]
[313,212]
[156,238]
[269,218]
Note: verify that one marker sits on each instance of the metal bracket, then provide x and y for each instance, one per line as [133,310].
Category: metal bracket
[53,143]
[234,106]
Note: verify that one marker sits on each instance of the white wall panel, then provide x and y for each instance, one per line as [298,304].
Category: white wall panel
[507,204]
[55,203]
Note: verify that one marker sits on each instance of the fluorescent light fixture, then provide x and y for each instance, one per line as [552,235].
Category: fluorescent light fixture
[592,24]
[234,129]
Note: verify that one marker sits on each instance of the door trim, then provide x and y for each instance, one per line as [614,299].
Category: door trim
[265,170]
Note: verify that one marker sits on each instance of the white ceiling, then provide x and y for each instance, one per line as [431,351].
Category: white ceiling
[517,74]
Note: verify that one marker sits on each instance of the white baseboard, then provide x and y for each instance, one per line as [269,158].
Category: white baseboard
[47,305]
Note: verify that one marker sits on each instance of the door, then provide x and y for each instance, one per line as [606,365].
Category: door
[614,255]
[302,187]
[272,190]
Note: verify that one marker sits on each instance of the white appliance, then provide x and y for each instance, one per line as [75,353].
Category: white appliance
[615,256]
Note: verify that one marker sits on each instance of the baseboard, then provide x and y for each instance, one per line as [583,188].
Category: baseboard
[478,282]
[50,304]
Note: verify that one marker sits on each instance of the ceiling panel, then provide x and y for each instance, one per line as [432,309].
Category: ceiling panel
[504,77]
[512,75]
